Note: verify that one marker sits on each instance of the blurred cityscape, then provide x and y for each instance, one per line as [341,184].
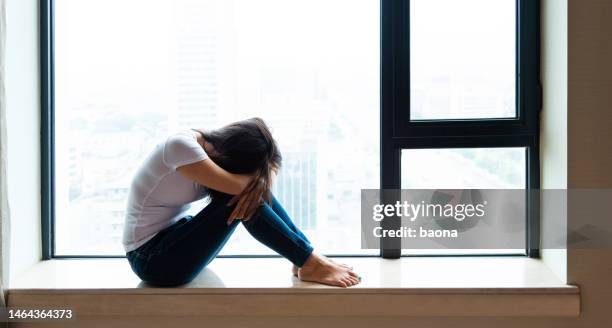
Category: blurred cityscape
[213,62]
[164,66]
[462,61]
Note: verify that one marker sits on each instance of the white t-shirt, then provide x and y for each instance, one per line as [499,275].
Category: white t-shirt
[159,195]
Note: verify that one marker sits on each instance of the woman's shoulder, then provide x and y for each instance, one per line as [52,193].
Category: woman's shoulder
[182,147]
[180,137]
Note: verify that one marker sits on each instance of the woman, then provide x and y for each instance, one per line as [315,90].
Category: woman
[235,166]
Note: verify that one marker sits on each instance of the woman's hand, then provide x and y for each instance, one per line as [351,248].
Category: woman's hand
[248,201]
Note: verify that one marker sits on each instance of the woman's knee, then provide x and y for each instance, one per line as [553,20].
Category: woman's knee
[216,196]
[263,210]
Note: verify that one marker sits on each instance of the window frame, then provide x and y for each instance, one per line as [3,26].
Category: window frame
[47,133]
[397,132]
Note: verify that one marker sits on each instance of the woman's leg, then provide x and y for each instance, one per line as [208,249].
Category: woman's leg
[178,253]
[282,236]
[282,214]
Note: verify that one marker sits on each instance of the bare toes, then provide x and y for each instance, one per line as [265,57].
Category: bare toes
[348,282]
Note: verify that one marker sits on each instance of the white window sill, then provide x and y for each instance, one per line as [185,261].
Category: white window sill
[502,286]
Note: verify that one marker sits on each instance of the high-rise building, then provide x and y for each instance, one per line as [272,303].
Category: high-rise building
[296,187]
[197,65]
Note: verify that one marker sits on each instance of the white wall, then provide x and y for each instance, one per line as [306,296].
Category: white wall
[23,120]
[554,79]
[553,129]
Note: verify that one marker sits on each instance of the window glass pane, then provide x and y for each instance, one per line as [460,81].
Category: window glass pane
[464,168]
[462,59]
[128,73]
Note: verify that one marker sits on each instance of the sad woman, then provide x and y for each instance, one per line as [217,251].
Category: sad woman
[234,166]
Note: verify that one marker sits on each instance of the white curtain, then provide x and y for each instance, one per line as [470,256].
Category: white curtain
[4,207]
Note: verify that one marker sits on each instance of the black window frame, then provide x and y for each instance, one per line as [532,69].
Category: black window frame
[397,132]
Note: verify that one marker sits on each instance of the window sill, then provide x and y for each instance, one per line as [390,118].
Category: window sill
[503,286]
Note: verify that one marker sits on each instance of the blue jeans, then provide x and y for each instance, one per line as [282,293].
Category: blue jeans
[177,254]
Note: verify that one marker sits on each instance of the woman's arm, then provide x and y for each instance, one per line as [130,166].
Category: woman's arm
[211,175]
[251,197]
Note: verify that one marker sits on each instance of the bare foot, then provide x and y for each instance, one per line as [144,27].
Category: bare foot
[320,269]
[340,264]
[295,268]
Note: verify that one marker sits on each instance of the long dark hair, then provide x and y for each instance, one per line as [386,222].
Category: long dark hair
[246,147]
